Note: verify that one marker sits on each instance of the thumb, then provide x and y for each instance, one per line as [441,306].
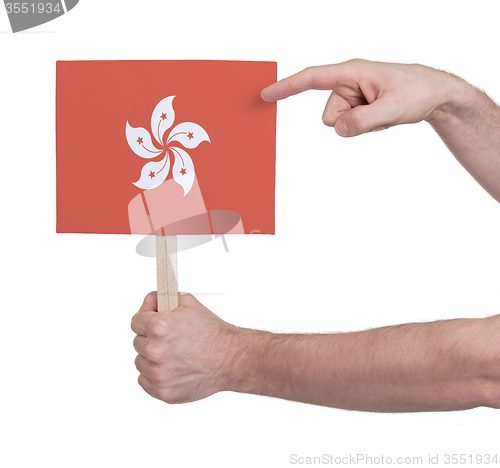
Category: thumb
[365,118]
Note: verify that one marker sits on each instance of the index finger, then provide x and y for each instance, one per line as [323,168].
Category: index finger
[149,307]
[140,322]
[319,77]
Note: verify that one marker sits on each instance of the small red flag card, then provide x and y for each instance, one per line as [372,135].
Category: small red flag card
[165,147]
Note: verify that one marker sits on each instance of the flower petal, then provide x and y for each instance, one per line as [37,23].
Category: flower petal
[163,118]
[140,142]
[188,134]
[183,170]
[153,174]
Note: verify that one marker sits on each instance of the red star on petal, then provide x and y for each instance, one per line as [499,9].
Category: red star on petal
[151,174]
[163,116]
[183,171]
[190,135]
[139,140]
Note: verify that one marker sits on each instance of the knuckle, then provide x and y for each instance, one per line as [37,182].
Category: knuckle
[157,374]
[327,119]
[356,61]
[132,322]
[358,119]
[155,391]
[356,68]
[135,342]
[157,326]
[137,362]
[188,296]
[152,352]
[187,299]
[141,381]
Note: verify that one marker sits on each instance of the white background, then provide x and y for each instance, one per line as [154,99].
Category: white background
[382,229]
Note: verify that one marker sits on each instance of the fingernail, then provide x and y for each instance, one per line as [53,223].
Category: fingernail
[262,93]
[342,128]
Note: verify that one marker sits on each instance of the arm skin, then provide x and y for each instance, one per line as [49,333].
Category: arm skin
[190,353]
[369,96]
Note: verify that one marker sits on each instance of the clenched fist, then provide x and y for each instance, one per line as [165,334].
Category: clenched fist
[186,354]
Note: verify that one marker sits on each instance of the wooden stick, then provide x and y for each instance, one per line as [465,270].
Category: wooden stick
[166,272]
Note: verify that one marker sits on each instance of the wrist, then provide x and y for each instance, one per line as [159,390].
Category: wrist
[457,99]
[247,369]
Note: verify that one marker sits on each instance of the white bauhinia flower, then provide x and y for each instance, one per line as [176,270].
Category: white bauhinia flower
[188,134]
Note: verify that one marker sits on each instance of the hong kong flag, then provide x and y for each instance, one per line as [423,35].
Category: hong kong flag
[165,147]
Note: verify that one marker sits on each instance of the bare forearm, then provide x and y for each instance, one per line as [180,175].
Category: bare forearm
[448,365]
[469,125]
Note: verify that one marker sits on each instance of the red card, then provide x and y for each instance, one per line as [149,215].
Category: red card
[172,147]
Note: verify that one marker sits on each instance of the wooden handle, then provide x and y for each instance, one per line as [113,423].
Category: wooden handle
[166,272]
